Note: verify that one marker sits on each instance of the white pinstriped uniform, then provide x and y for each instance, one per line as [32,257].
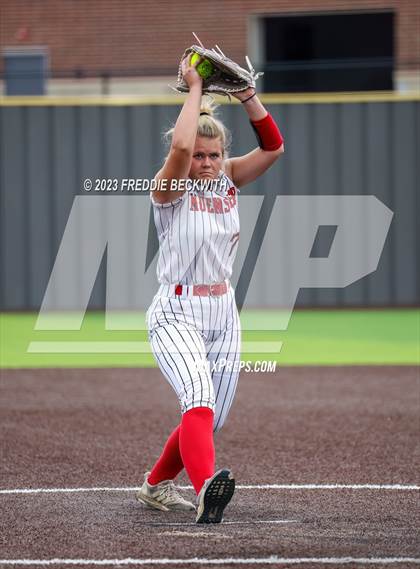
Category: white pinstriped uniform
[198,235]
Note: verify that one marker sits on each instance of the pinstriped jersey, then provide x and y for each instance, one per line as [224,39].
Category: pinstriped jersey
[198,234]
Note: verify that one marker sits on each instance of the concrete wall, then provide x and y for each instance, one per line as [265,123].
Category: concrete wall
[343,146]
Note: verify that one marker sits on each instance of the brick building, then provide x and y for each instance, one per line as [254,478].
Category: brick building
[138,43]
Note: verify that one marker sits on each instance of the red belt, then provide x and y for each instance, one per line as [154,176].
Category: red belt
[216,289]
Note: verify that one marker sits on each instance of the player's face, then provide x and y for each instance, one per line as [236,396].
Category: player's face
[207,158]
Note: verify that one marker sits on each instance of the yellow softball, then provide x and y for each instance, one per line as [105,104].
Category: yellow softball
[205,69]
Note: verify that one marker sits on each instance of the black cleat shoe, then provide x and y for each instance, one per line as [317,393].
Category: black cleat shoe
[214,496]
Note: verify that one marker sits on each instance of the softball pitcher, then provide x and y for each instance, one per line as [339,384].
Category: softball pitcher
[193,322]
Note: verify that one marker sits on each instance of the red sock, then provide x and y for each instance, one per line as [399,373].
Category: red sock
[196,445]
[169,464]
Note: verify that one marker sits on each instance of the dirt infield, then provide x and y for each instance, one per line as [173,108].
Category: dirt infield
[87,429]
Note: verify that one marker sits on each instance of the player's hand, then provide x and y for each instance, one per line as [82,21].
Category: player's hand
[189,72]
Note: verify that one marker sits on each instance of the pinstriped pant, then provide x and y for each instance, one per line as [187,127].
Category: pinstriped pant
[196,343]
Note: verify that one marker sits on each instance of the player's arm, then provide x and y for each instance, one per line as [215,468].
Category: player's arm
[178,162]
[245,169]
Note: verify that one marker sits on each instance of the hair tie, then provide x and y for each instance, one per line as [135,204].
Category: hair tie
[204,113]
[247,99]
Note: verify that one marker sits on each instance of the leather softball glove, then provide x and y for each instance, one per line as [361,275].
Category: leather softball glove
[227,76]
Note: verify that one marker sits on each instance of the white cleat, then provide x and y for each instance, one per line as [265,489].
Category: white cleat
[163,496]
[214,496]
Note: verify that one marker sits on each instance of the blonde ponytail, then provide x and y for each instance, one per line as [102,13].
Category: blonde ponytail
[209,126]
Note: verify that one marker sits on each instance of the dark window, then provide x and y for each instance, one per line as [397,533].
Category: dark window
[329,52]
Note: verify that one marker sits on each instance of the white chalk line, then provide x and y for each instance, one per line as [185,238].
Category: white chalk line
[273,560]
[225,523]
[387,487]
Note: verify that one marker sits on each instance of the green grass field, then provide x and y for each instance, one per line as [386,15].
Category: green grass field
[314,337]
